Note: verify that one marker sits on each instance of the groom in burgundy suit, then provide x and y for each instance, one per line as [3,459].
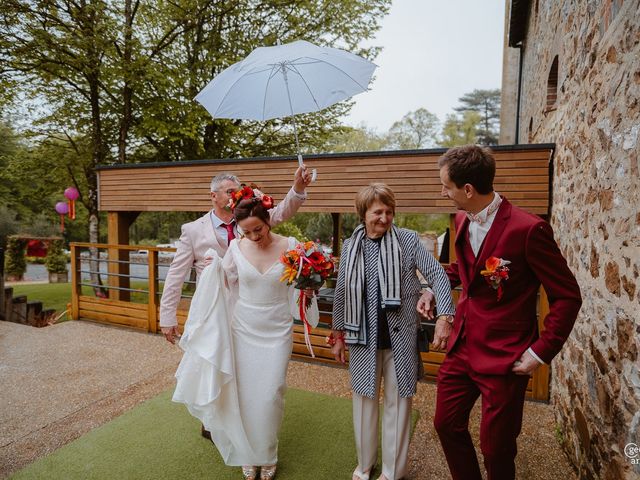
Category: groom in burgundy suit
[503,255]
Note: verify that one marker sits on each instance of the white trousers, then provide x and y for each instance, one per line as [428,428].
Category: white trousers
[395,422]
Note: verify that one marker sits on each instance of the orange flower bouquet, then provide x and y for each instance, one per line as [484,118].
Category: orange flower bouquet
[496,272]
[306,266]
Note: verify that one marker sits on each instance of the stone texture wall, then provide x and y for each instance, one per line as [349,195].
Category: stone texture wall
[595,124]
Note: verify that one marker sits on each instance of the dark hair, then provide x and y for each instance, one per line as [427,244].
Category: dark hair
[251,207]
[470,164]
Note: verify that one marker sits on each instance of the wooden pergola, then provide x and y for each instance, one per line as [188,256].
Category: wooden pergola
[523,175]
[126,190]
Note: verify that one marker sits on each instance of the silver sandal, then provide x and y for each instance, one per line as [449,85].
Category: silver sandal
[268,472]
[249,473]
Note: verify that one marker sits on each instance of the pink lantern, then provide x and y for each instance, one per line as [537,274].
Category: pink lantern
[62,209]
[72,195]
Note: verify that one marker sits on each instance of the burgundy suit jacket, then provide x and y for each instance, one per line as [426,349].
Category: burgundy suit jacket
[498,332]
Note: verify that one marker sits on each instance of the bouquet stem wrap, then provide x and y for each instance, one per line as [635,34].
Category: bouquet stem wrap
[304,302]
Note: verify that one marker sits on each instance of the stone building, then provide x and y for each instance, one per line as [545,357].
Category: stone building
[572,77]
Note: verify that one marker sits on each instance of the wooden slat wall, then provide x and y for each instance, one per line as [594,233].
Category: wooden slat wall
[522,175]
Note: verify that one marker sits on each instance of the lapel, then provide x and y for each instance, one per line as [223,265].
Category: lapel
[462,239]
[493,235]
[206,225]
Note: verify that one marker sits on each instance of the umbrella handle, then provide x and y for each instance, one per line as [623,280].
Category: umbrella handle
[314,172]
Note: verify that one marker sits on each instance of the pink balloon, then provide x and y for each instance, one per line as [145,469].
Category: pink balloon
[62,208]
[71,193]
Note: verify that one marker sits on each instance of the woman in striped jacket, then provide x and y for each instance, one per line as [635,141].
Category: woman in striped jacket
[374,314]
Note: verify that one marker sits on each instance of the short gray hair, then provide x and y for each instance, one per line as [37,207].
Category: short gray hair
[221,177]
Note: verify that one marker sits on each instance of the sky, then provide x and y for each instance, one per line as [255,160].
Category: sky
[434,52]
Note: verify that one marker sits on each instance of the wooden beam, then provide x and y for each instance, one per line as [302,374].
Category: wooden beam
[337,233]
[118,224]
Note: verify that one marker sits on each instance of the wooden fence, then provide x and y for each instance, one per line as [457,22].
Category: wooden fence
[141,311]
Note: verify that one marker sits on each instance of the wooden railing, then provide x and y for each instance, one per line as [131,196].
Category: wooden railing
[119,303]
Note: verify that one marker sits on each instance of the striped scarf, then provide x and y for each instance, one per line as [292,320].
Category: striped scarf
[389,268]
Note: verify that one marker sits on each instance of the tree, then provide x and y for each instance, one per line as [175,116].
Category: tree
[417,129]
[460,131]
[358,139]
[115,80]
[487,104]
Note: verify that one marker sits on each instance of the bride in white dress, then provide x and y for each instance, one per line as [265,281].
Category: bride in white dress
[238,341]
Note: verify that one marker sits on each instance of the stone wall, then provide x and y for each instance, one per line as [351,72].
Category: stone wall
[595,124]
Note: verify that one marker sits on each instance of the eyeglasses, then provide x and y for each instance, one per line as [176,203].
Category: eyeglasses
[228,191]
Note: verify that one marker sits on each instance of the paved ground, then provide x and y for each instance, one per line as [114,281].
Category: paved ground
[59,382]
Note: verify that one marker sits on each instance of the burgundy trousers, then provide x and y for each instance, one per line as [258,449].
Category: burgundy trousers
[502,402]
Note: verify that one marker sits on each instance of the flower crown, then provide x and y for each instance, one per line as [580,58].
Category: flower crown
[250,192]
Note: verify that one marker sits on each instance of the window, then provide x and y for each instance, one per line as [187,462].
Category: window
[552,86]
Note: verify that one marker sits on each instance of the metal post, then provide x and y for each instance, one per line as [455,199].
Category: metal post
[2,316]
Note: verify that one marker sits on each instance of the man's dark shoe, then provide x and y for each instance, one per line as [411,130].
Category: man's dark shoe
[205,433]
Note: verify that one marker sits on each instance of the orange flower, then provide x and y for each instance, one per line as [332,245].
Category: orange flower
[491,265]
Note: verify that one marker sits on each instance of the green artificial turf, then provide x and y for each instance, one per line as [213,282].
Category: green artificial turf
[159,440]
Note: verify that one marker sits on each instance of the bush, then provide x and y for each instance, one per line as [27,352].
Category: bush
[14,263]
[288,229]
[56,261]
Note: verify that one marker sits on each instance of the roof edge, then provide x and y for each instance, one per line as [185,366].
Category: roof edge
[293,158]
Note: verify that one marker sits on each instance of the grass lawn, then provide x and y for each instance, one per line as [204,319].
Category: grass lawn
[58,295]
[159,440]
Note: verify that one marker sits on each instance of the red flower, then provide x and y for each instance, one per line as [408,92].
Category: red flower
[267,202]
[246,192]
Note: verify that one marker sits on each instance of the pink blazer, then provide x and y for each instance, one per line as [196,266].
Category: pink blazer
[196,238]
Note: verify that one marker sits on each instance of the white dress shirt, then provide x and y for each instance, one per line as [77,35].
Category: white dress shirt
[481,223]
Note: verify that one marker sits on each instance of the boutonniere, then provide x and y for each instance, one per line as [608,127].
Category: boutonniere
[496,271]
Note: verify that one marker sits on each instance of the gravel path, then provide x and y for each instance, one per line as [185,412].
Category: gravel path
[59,382]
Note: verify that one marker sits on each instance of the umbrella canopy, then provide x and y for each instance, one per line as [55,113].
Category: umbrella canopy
[285,80]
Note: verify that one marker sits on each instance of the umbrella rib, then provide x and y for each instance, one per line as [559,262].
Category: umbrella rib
[252,72]
[274,69]
[317,60]
[295,70]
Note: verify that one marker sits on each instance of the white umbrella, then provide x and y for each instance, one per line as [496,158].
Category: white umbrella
[284,80]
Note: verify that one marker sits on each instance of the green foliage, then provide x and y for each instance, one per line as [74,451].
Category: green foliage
[487,104]
[110,82]
[14,261]
[416,130]
[361,139]
[288,229]
[422,223]
[8,224]
[458,131]
[56,261]
[151,228]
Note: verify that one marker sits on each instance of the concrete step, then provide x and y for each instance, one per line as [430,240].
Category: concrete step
[34,313]
[6,309]
[19,309]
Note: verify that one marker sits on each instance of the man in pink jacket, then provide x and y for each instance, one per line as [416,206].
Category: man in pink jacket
[215,230]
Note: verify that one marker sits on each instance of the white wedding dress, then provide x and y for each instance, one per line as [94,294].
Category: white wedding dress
[237,344]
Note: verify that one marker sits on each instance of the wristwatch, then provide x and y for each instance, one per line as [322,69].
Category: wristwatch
[446,318]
